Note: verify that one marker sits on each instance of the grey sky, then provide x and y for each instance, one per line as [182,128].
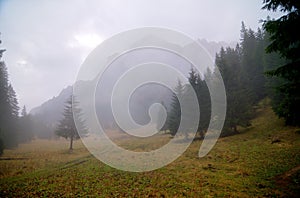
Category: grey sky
[46,41]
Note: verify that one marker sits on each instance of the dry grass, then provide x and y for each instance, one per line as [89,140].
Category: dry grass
[37,155]
[244,165]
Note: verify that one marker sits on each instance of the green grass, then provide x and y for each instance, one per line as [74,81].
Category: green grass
[244,165]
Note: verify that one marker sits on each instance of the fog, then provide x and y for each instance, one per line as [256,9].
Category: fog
[46,41]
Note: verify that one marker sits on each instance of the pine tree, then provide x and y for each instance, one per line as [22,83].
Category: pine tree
[252,51]
[66,127]
[174,115]
[12,97]
[204,102]
[238,105]
[8,108]
[4,105]
[285,39]
[4,102]
[203,97]
[193,78]
[13,117]
[24,111]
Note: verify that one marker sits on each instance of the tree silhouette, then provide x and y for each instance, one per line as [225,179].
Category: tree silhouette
[285,39]
[9,109]
[66,127]
[174,116]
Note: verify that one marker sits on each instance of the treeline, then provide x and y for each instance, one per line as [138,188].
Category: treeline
[243,71]
[182,97]
[14,128]
[264,64]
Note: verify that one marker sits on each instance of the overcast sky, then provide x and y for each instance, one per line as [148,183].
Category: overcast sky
[46,41]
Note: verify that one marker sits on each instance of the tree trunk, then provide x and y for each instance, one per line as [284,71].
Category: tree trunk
[71,144]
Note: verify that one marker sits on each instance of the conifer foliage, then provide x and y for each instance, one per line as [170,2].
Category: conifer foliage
[66,127]
[243,72]
[174,115]
[9,109]
[284,38]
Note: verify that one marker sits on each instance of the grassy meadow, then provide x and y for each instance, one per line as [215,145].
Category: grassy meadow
[262,161]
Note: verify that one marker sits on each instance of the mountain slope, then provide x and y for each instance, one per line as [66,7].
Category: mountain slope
[50,112]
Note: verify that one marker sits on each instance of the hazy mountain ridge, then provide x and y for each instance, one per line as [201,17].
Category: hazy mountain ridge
[50,112]
[214,47]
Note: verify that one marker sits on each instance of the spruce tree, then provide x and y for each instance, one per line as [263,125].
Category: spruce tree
[24,111]
[4,102]
[66,127]
[12,97]
[252,51]
[204,102]
[238,105]
[174,115]
[8,108]
[203,97]
[285,39]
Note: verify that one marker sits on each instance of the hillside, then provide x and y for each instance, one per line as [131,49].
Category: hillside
[262,161]
[50,112]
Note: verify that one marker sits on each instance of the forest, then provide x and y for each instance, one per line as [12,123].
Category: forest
[257,154]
